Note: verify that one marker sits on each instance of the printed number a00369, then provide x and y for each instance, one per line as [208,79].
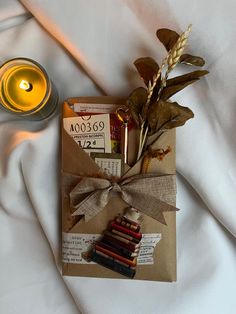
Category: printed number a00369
[85,127]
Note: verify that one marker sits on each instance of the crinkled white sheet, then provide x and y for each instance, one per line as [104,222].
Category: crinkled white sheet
[89,51]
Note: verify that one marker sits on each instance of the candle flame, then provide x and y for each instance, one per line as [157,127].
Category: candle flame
[25,85]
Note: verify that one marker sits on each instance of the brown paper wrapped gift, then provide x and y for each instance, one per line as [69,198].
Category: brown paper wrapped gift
[77,163]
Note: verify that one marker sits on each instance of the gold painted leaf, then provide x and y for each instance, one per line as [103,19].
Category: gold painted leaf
[135,103]
[167,37]
[192,60]
[147,68]
[166,115]
[178,83]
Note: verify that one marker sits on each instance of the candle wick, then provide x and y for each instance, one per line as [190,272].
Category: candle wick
[26,86]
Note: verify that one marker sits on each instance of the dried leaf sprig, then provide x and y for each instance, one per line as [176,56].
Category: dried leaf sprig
[151,108]
[170,61]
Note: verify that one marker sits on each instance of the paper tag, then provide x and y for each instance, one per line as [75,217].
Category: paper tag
[92,133]
[111,164]
[95,108]
[148,244]
[75,244]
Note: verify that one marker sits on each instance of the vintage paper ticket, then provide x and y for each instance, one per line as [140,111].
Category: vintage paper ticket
[92,133]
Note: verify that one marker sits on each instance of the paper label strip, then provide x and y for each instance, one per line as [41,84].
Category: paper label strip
[75,244]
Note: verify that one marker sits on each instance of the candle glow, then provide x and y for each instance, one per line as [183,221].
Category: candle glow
[26,89]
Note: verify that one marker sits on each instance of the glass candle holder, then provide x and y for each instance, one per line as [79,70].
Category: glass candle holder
[26,90]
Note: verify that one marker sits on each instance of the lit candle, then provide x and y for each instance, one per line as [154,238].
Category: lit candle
[26,90]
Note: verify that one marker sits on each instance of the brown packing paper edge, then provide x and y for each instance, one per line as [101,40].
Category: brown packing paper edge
[77,162]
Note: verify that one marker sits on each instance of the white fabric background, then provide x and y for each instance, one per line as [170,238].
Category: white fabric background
[89,51]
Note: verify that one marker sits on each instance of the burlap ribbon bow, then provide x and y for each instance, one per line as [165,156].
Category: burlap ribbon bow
[151,194]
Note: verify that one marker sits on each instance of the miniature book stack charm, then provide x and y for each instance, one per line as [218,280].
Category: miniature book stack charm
[119,246]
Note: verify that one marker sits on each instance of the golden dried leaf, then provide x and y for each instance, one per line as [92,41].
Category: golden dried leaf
[147,68]
[192,60]
[167,37]
[166,115]
[136,101]
[178,83]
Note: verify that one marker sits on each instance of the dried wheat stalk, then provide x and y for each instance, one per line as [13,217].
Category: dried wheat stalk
[174,56]
[143,134]
[176,52]
[155,79]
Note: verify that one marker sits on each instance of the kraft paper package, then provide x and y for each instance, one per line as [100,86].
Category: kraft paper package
[157,260]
